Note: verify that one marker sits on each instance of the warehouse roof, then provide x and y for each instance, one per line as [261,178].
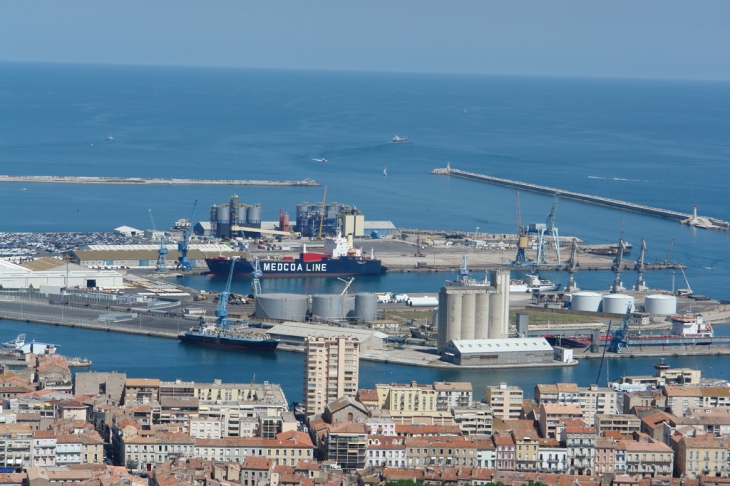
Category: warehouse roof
[94,255]
[212,248]
[520,345]
[304,330]
[375,225]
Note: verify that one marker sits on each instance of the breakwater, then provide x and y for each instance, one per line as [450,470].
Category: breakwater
[145,180]
[686,218]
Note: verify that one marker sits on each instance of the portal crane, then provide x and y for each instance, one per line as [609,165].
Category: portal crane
[183,242]
[571,267]
[639,267]
[256,278]
[616,268]
[618,337]
[161,260]
[520,258]
[551,230]
[221,313]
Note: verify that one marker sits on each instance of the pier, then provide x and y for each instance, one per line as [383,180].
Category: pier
[144,180]
[684,218]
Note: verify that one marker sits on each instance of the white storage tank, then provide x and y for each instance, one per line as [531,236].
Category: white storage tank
[328,306]
[617,303]
[586,301]
[660,305]
[285,307]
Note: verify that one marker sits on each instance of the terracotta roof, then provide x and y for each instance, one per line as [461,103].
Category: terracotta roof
[256,462]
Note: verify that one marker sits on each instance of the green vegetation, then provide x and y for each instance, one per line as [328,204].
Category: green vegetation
[404,315]
[542,316]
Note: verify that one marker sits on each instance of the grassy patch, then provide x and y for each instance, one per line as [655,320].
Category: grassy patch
[543,316]
[405,315]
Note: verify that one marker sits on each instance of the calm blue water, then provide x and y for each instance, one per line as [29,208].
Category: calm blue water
[659,143]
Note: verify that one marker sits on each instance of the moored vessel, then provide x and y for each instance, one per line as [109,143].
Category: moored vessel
[398,139]
[207,334]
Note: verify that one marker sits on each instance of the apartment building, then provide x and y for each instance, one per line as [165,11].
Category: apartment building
[505,401]
[331,370]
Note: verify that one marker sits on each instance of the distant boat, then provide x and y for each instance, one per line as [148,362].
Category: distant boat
[110,139]
[385,171]
[16,343]
[320,160]
[24,189]
[398,139]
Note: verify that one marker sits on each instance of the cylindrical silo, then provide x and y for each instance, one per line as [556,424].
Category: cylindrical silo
[660,305]
[468,308]
[504,291]
[453,316]
[285,307]
[348,305]
[617,303]
[327,306]
[586,301]
[496,302]
[242,214]
[254,214]
[224,214]
[481,316]
[366,306]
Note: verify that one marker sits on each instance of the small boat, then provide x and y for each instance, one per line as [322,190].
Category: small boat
[398,139]
[78,362]
[24,189]
[385,171]
[16,343]
[110,139]
[320,160]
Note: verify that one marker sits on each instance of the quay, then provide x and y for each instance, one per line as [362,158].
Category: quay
[144,180]
[684,218]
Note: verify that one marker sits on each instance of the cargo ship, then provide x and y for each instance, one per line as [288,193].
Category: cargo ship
[339,259]
[209,335]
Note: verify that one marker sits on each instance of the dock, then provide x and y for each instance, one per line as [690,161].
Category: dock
[705,222]
[144,180]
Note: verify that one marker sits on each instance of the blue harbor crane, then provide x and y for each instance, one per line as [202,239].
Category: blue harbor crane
[221,313]
[182,244]
[618,337]
[549,229]
[255,277]
[161,260]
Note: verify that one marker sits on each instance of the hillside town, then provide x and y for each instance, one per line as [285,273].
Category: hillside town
[94,428]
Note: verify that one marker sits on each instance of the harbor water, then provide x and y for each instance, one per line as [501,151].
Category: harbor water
[657,143]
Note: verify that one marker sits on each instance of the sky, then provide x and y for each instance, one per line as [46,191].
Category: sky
[622,38]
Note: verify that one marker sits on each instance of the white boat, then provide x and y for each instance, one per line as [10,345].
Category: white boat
[518,286]
[535,283]
[110,139]
[464,278]
[385,171]
[16,343]
[398,139]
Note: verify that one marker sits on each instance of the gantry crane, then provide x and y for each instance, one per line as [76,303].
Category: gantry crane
[256,278]
[521,257]
[161,259]
[221,313]
[571,267]
[618,337]
[184,241]
[639,267]
[616,268]
[549,229]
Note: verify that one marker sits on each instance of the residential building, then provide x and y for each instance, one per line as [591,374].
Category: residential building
[440,451]
[527,445]
[701,456]
[553,414]
[330,372]
[505,453]
[592,400]
[346,445]
[141,390]
[386,451]
[204,427]
[605,455]
[580,446]
[288,448]
[452,394]
[407,399]
[256,471]
[551,456]
[505,401]
[476,419]
[44,448]
[646,458]
[622,423]
[15,445]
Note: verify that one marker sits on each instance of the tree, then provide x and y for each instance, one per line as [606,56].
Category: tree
[402,482]
[131,465]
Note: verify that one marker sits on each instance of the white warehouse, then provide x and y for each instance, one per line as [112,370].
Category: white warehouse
[49,271]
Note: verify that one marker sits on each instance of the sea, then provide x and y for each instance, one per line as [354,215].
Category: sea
[660,143]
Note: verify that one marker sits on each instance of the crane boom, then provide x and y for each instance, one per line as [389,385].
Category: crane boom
[519,214]
[221,312]
[152,220]
[321,214]
[668,259]
[639,267]
[182,244]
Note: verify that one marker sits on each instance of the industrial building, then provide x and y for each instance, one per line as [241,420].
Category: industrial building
[144,256]
[498,352]
[234,219]
[297,333]
[472,312]
[332,218]
[57,273]
[331,370]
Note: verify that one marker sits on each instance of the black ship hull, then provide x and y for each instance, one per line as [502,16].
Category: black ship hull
[228,341]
